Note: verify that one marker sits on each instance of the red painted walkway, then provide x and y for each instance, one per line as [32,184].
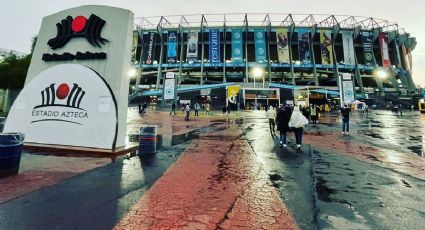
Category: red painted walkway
[218,183]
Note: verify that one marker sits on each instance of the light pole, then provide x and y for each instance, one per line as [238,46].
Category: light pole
[258,72]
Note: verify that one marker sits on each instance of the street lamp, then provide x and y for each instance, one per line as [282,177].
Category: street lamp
[132,73]
[258,72]
[381,73]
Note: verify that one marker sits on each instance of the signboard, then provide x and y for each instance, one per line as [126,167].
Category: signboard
[348,47]
[75,83]
[67,104]
[237,51]
[134,46]
[385,54]
[260,46]
[326,47]
[304,45]
[232,93]
[214,45]
[367,40]
[346,88]
[169,86]
[172,46]
[192,46]
[282,45]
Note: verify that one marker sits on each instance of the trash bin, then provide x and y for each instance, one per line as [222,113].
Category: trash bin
[10,153]
[147,140]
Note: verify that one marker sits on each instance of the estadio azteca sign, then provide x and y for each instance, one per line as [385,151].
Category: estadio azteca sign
[76,90]
[67,104]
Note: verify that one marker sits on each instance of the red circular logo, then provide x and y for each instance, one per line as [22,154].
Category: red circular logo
[62,91]
[78,23]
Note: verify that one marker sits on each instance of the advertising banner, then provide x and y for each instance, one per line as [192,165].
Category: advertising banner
[326,47]
[148,47]
[367,41]
[172,46]
[282,45]
[134,46]
[348,47]
[192,46]
[397,54]
[232,93]
[304,45]
[260,46]
[169,86]
[406,57]
[385,54]
[214,45]
[237,49]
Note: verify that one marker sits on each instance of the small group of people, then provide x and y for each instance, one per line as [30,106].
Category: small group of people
[226,110]
[186,108]
[287,119]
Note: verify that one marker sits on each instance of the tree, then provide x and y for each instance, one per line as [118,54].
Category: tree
[13,72]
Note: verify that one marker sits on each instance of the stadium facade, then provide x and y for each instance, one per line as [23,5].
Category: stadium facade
[274,50]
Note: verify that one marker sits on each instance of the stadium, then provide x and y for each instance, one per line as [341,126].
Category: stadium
[274,58]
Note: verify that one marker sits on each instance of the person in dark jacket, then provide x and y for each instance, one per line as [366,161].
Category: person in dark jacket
[173,108]
[282,120]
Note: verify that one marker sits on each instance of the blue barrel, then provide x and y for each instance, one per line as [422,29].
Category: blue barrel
[147,139]
[10,153]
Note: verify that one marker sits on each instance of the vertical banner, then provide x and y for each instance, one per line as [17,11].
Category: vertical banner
[304,45]
[232,93]
[169,86]
[367,40]
[148,47]
[346,88]
[383,41]
[134,46]
[348,47]
[172,46]
[214,45]
[282,45]
[192,46]
[406,57]
[260,45]
[326,47]
[237,45]
[397,54]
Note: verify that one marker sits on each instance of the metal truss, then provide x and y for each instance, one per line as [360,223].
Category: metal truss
[265,19]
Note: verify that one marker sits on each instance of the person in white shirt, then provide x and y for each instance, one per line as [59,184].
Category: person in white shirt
[298,121]
[271,115]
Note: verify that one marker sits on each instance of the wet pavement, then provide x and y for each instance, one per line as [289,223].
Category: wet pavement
[219,172]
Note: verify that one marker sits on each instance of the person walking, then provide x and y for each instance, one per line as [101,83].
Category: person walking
[297,122]
[271,115]
[173,108]
[140,107]
[228,110]
[187,109]
[345,113]
[314,113]
[144,106]
[224,109]
[282,120]
[197,108]
[207,109]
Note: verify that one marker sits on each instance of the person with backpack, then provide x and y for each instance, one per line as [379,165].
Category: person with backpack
[297,122]
[345,113]
[282,121]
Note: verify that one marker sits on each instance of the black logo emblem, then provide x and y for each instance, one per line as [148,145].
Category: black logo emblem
[73,97]
[79,26]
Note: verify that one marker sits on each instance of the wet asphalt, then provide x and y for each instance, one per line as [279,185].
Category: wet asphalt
[327,190]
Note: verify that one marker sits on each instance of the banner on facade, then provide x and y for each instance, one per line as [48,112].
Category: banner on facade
[192,46]
[237,50]
[304,45]
[148,47]
[134,46]
[326,47]
[169,86]
[348,47]
[232,93]
[214,45]
[367,41]
[172,46]
[385,54]
[346,88]
[407,57]
[260,46]
[397,53]
[282,45]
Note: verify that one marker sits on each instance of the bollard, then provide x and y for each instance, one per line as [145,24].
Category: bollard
[147,139]
[10,153]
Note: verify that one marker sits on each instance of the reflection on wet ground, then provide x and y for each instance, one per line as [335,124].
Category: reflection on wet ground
[327,190]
